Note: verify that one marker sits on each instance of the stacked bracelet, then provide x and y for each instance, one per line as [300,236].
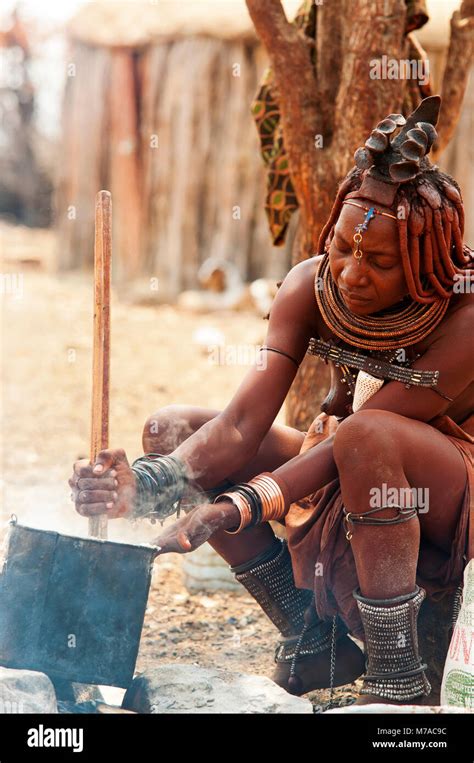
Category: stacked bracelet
[160,481]
[263,498]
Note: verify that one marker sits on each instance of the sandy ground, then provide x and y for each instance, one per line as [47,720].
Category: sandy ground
[156,360]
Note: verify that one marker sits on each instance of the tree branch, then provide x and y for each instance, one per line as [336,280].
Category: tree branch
[456,73]
[289,52]
[272,26]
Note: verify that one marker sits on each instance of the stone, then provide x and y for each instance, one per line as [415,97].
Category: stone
[186,688]
[26,691]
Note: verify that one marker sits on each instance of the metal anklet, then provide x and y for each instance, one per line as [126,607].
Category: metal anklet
[395,670]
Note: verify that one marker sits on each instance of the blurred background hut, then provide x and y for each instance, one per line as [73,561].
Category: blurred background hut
[157,109]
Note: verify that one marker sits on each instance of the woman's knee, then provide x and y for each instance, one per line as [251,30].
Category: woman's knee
[363,435]
[171,425]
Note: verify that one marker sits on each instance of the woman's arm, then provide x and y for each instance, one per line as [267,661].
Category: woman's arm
[310,471]
[303,475]
[230,440]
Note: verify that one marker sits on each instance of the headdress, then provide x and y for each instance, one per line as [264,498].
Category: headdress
[394,153]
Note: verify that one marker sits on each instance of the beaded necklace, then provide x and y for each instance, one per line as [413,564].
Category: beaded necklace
[400,326]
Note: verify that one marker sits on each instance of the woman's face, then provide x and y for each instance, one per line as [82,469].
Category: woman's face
[376,281]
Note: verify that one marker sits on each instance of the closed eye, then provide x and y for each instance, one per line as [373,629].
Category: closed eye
[382,264]
[341,245]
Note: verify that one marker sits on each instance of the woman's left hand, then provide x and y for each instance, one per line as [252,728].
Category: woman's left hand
[191,531]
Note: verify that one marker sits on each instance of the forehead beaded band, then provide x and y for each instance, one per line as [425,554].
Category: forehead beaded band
[357,238]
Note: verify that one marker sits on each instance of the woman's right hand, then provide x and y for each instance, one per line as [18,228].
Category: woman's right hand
[105,487]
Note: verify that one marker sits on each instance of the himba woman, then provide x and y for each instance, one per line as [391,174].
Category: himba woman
[387,303]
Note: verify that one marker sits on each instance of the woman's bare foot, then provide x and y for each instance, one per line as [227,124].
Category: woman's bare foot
[313,670]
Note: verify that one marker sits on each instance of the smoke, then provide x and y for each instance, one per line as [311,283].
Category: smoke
[49,507]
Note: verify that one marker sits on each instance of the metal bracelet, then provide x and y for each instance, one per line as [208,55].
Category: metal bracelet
[161,482]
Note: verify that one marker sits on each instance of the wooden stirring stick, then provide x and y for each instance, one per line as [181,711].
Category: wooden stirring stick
[101,345]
